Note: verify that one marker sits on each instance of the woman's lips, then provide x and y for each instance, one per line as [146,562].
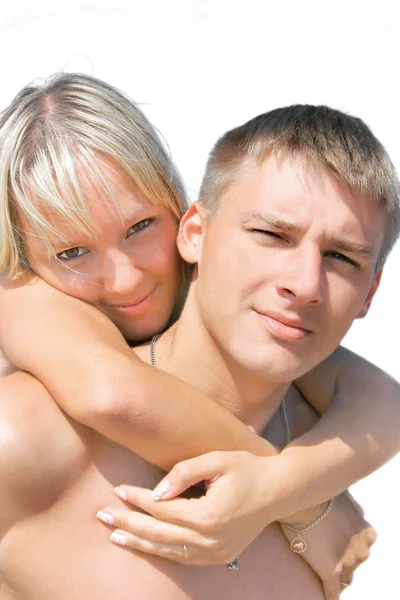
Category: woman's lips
[138,308]
[282,330]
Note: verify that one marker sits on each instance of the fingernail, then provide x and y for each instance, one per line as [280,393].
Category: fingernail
[105,517]
[118,538]
[121,493]
[161,490]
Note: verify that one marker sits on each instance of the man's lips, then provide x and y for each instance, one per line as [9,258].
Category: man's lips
[285,328]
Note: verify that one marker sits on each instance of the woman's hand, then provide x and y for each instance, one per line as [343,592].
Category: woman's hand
[237,505]
[337,545]
[210,530]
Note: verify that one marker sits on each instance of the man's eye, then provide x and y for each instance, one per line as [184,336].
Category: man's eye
[343,258]
[264,233]
[139,226]
[71,253]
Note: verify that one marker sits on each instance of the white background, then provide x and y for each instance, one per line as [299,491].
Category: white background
[201,67]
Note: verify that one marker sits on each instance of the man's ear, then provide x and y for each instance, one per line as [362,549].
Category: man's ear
[190,234]
[372,291]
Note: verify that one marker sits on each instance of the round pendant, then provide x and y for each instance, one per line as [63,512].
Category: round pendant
[298,545]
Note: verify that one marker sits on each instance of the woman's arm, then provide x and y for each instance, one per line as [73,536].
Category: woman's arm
[359,430]
[85,363]
[218,526]
[88,368]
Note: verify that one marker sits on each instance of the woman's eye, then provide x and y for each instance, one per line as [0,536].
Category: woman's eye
[139,226]
[71,253]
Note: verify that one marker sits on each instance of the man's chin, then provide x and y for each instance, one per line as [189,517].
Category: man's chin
[272,362]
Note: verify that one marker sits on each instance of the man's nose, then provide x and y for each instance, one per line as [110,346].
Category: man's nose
[121,275]
[302,278]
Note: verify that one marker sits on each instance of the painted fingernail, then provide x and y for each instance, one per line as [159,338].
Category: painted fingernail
[105,517]
[161,490]
[121,493]
[118,538]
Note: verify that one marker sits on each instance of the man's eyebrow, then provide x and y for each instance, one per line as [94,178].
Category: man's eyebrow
[347,246]
[268,219]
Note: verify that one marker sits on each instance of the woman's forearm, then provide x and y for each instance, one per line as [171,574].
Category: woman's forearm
[88,368]
[359,429]
[85,363]
[166,421]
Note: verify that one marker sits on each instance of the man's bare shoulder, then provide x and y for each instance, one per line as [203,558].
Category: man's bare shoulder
[39,447]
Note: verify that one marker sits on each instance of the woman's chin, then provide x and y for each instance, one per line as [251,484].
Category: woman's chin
[143,330]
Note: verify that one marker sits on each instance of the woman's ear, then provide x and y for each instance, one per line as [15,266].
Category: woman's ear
[190,234]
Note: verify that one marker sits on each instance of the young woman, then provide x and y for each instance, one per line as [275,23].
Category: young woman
[76,286]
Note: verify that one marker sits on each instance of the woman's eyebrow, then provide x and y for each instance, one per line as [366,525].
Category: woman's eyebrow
[135,215]
[131,217]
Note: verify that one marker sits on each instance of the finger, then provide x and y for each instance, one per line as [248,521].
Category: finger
[344,584]
[180,511]
[359,552]
[175,553]
[188,473]
[149,528]
[331,588]
[347,574]
[370,535]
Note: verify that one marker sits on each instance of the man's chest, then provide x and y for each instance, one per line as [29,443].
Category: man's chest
[294,417]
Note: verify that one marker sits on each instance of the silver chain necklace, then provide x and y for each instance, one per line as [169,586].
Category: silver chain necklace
[283,410]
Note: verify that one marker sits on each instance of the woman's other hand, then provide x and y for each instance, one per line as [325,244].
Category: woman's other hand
[337,545]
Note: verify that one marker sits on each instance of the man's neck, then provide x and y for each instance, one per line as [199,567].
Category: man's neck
[188,351]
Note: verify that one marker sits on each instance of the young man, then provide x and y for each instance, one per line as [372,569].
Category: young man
[298,247]
[294,288]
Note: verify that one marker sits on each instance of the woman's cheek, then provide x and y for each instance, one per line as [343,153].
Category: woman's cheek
[81,288]
[74,284]
[162,260]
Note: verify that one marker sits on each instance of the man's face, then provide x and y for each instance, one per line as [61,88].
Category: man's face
[285,266]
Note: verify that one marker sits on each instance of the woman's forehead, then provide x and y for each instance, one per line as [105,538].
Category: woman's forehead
[89,194]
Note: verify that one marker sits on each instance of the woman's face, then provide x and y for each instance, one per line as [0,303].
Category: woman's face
[131,269]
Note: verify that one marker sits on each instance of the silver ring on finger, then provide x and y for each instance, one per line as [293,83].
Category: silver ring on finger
[345,583]
[185,551]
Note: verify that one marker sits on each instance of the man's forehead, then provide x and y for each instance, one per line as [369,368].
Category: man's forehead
[290,194]
[283,179]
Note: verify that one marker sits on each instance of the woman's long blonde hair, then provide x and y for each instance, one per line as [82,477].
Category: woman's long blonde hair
[52,130]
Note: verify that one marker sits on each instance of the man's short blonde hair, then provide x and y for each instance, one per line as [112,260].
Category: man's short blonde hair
[52,130]
[342,143]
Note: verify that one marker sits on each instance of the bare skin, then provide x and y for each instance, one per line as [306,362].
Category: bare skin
[119,476]
[62,472]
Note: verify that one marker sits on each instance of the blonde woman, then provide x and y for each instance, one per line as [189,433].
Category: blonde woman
[90,203]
